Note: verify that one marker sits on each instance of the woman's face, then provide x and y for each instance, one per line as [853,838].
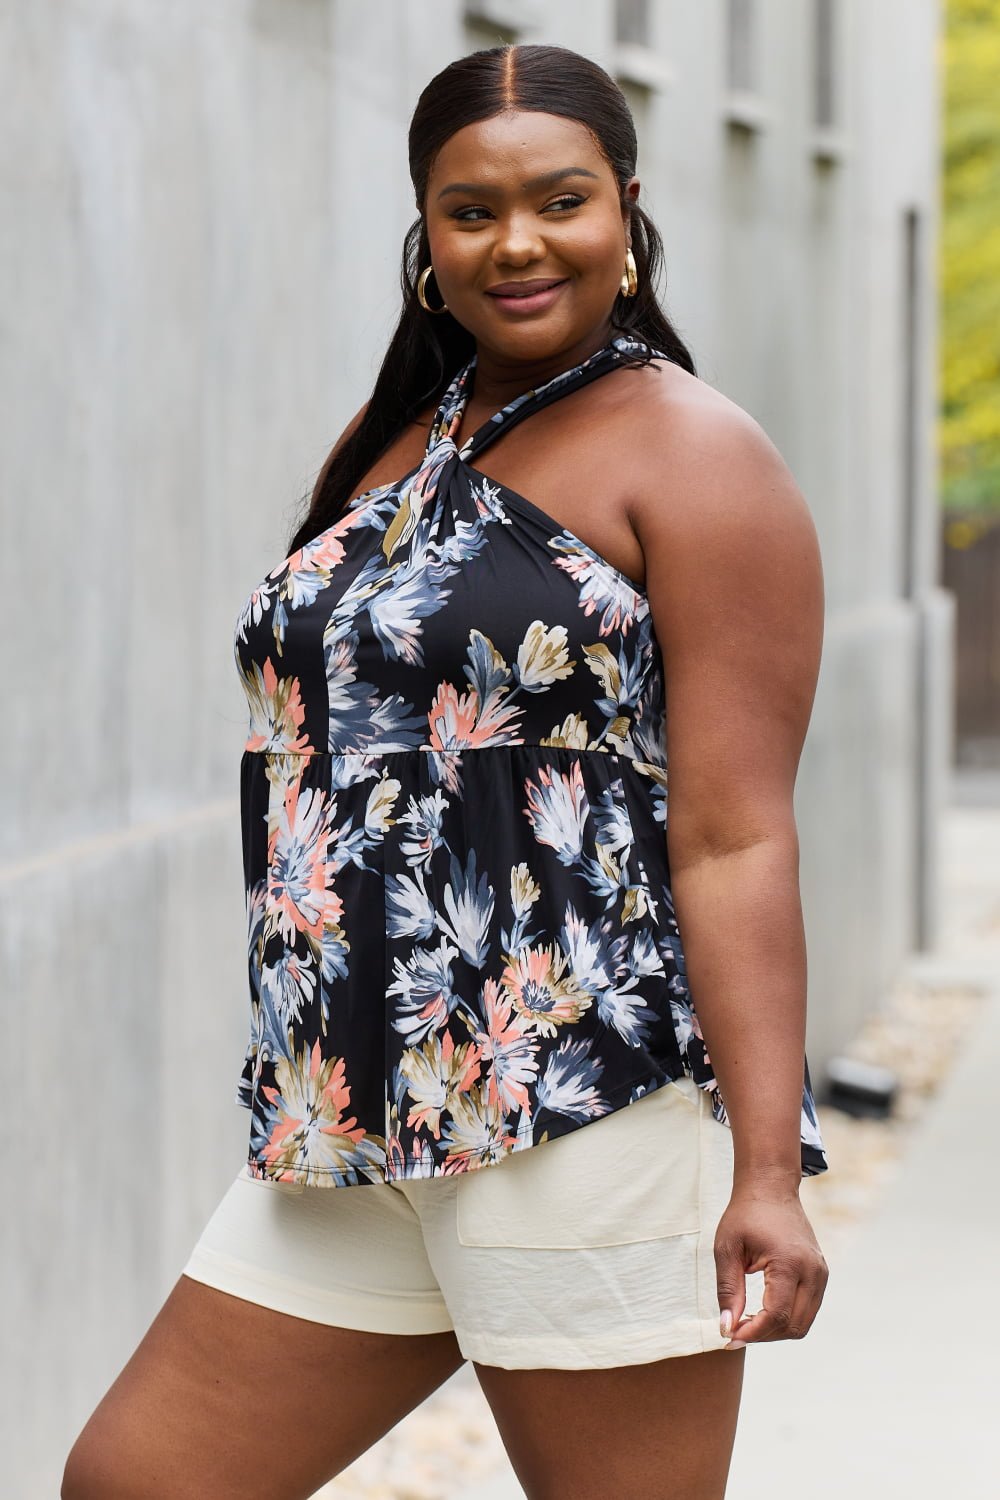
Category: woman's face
[526,197]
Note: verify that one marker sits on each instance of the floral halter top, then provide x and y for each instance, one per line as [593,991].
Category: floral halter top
[462,941]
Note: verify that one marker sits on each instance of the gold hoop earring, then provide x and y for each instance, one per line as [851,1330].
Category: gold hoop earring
[422,282]
[630,276]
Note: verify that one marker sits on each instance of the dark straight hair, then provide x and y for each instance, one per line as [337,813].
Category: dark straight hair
[426,350]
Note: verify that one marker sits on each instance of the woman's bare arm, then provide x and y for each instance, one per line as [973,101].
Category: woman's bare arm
[736,594]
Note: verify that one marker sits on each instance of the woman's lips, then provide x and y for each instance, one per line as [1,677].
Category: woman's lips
[533,302]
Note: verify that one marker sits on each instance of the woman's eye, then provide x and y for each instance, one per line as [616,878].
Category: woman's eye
[567,201]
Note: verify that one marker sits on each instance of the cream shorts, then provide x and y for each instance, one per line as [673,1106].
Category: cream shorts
[589,1251]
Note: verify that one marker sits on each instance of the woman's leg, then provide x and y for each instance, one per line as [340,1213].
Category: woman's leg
[659,1431]
[228,1399]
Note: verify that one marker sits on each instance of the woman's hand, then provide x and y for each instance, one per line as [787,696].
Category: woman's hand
[766,1229]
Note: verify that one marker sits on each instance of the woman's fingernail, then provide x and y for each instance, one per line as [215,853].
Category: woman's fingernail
[726,1323]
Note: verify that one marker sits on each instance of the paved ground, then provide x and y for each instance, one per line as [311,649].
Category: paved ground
[895,1390]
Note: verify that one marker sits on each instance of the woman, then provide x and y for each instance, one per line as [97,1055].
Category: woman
[570,1139]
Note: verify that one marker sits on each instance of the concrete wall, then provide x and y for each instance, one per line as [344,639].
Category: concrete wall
[201,216]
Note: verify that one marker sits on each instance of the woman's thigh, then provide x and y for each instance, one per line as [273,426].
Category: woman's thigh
[226,1398]
[660,1431]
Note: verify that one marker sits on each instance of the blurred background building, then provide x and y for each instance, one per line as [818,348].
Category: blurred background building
[202,211]
[970,370]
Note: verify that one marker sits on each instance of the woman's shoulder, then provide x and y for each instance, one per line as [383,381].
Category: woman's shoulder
[698,454]
[338,446]
[678,412]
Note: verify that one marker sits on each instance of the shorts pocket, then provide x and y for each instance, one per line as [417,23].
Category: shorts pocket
[628,1176]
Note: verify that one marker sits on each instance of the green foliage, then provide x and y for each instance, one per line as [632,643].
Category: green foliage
[970,256]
